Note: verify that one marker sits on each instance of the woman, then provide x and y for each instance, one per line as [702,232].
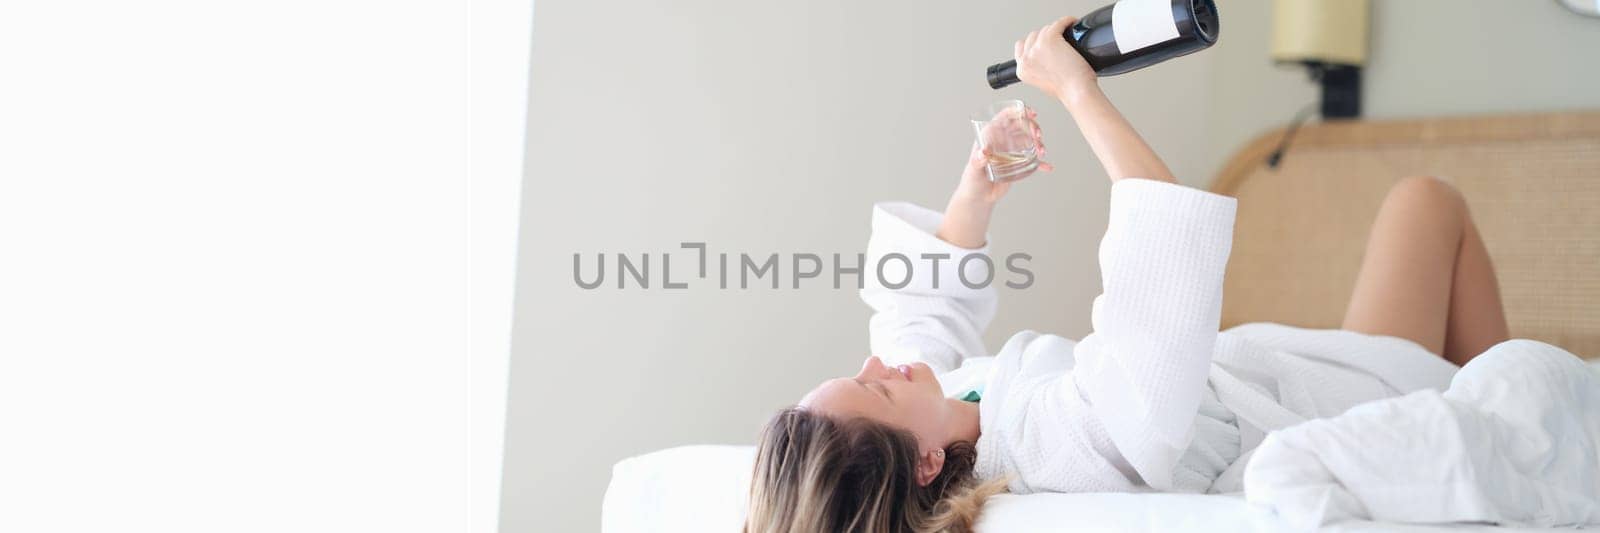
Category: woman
[1155,398]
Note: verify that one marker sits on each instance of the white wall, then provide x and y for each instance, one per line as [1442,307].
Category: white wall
[500,33]
[765,128]
[233,288]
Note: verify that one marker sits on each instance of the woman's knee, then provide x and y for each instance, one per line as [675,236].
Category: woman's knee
[1427,191]
[1427,197]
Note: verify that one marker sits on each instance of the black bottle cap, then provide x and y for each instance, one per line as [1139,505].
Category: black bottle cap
[1002,74]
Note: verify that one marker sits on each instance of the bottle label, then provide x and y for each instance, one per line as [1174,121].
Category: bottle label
[1141,23]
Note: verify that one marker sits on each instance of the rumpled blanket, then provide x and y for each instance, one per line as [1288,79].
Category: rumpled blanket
[1515,440]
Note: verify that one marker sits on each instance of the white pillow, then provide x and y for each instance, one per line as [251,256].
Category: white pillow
[705,489]
[688,488]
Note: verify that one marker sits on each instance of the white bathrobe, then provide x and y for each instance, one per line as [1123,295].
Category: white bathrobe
[1155,398]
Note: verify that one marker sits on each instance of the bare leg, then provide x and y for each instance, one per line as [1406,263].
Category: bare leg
[1477,319]
[1426,275]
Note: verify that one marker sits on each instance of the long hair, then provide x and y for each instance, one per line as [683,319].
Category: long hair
[814,474]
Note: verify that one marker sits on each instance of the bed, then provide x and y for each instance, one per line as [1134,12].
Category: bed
[1532,181]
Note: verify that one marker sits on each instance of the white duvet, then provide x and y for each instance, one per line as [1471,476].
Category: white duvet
[1515,440]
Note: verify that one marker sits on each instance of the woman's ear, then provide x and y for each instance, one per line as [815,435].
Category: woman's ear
[929,466]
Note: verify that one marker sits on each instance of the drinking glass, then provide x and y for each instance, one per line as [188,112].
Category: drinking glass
[1006,131]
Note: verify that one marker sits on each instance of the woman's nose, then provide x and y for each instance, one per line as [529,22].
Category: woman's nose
[872,368]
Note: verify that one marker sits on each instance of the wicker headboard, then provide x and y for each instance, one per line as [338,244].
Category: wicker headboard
[1532,182]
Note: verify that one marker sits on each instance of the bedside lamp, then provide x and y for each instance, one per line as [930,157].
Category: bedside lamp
[1329,37]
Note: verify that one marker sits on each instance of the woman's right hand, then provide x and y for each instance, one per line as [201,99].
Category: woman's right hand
[1047,62]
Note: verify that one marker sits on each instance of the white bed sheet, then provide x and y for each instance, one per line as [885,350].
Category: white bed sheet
[703,488]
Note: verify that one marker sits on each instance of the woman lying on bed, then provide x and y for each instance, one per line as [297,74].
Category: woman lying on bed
[1155,398]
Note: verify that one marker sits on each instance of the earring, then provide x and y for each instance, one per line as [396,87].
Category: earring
[940,452]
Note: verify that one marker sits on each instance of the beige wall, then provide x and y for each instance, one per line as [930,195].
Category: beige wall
[772,127]
[1428,58]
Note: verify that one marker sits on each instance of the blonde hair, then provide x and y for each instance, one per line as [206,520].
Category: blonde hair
[818,474]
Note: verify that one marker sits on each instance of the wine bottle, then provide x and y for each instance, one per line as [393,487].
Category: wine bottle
[1133,34]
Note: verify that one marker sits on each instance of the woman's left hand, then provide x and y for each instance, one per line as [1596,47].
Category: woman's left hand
[966,219]
[975,185]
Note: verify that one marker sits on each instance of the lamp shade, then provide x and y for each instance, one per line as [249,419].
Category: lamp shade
[1321,31]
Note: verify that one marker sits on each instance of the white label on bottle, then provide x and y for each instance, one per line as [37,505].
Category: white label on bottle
[1141,23]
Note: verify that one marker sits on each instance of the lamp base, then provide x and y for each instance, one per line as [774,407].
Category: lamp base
[1341,89]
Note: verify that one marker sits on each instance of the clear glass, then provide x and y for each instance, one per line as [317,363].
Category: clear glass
[1006,131]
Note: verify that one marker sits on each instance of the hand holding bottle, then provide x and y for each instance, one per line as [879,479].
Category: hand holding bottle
[1049,63]
[1125,36]
[1053,66]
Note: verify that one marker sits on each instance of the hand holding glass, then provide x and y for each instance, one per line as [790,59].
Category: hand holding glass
[1009,139]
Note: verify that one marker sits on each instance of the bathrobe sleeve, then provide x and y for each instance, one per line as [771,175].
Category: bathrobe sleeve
[931,300]
[1142,371]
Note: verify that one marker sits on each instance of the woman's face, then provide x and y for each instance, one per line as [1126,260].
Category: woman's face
[903,396]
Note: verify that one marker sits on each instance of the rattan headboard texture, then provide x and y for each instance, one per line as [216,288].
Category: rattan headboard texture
[1531,181]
